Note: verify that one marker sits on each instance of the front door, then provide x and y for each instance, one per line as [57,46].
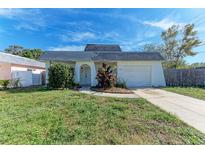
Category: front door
[85,75]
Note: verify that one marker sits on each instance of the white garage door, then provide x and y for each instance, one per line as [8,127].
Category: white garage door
[135,76]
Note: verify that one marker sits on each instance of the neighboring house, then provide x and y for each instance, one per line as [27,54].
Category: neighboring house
[28,71]
[135,68]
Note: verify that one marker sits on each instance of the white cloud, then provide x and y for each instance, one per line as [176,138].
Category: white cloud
[78,23]
[163,24]
[150,34]
[142,43]
[77,36]
[129,45]
[111,35]
[67,48]
[11,13]
[29,19]
[25,26]
[117,14]
[87,36]
[200,29]
[21,14]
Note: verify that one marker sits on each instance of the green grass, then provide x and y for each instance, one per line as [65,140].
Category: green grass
[39,116]
[188,91]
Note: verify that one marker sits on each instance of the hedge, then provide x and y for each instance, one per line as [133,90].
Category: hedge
[4,83]
[61,76]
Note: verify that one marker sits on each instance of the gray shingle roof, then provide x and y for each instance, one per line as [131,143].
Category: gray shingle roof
[102,48]
[66,56]
[129,56]
[98,56]
[14,59]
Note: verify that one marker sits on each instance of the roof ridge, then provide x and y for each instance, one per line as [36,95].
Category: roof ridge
[101,44]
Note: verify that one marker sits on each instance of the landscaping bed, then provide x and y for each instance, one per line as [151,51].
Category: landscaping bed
[114,90]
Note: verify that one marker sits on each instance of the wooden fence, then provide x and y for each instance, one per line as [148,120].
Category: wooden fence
[185,77]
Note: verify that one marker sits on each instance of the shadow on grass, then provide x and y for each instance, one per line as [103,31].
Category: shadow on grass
[30,89]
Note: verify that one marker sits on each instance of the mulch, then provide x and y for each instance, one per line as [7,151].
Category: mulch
[113,90]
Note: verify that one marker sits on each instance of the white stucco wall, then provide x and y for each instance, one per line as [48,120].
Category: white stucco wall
[156,71]
[155,67]
[158,74]
[28,76]
[92,68]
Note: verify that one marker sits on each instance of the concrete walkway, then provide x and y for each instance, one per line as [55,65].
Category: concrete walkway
[188,109]
[87,90]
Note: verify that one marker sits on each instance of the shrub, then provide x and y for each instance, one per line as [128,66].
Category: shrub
[105,77]
[60,76]
[4,83]
[76,84]
[121,84]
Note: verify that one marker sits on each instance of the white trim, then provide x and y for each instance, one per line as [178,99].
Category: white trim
[92,68]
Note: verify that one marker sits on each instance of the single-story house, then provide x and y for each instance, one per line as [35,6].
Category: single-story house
[28,71]
[135,68]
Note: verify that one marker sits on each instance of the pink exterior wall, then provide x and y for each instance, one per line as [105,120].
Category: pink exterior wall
[5,71]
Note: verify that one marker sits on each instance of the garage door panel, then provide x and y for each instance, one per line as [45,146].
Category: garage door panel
[135,76]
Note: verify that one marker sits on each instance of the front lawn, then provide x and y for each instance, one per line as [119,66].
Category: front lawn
[40,116]
[188,91]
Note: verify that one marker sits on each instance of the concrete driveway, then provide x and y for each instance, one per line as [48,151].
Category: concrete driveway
[188,109]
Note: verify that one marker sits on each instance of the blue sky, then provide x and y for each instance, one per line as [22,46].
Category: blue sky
[71,29]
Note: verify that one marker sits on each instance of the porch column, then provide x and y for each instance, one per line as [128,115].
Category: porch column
[77,72]
[93,74]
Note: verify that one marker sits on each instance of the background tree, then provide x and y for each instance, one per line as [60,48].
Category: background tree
[14,49]
[179,43]
[20,51]
[194,65]
[26,53]
[32,53]
[151,47]
[36,53]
